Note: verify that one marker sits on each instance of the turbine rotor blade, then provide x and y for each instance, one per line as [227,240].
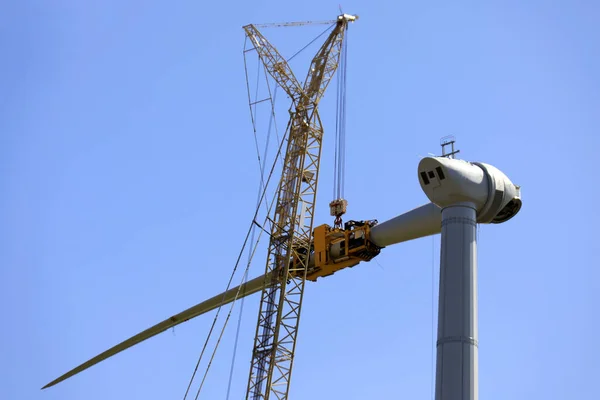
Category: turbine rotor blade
[422,221]
[250,287]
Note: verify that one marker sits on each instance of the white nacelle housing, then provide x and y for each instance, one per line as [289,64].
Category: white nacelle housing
[448,181]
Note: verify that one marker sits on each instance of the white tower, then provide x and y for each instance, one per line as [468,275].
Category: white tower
[467,193]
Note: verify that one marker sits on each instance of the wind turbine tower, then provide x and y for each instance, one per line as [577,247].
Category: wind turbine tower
[467,193]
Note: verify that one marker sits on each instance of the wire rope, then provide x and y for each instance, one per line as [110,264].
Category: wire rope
[251,231]
[311,42]
[232,274]
[339,166]
[272,121]
[228,315]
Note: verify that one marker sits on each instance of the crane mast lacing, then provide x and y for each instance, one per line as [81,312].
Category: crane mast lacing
[289,237]
[292,223]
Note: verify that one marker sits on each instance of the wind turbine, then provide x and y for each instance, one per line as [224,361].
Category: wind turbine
[462,194]
[467,194]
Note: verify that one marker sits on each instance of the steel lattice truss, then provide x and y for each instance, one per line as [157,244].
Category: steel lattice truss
[292,223]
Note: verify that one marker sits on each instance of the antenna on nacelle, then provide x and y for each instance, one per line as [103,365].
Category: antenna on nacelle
[448,141]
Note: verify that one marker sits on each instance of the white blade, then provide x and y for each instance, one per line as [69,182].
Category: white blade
[420,222]
[250,287]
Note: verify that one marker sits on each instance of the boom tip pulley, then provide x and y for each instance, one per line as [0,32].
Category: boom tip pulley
[348,17]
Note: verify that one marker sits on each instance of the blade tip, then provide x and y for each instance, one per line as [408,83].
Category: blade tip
[54,382]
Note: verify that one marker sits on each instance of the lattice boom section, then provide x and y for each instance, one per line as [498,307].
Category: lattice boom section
[291,228]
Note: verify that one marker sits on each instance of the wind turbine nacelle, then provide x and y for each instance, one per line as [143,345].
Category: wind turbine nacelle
[447,182]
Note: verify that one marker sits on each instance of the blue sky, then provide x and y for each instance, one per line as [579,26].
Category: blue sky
[128,177]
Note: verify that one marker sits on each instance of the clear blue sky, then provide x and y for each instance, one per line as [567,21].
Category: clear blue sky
[128,178]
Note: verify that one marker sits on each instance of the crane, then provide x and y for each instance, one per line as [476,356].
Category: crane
[461,195]
[292,224]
